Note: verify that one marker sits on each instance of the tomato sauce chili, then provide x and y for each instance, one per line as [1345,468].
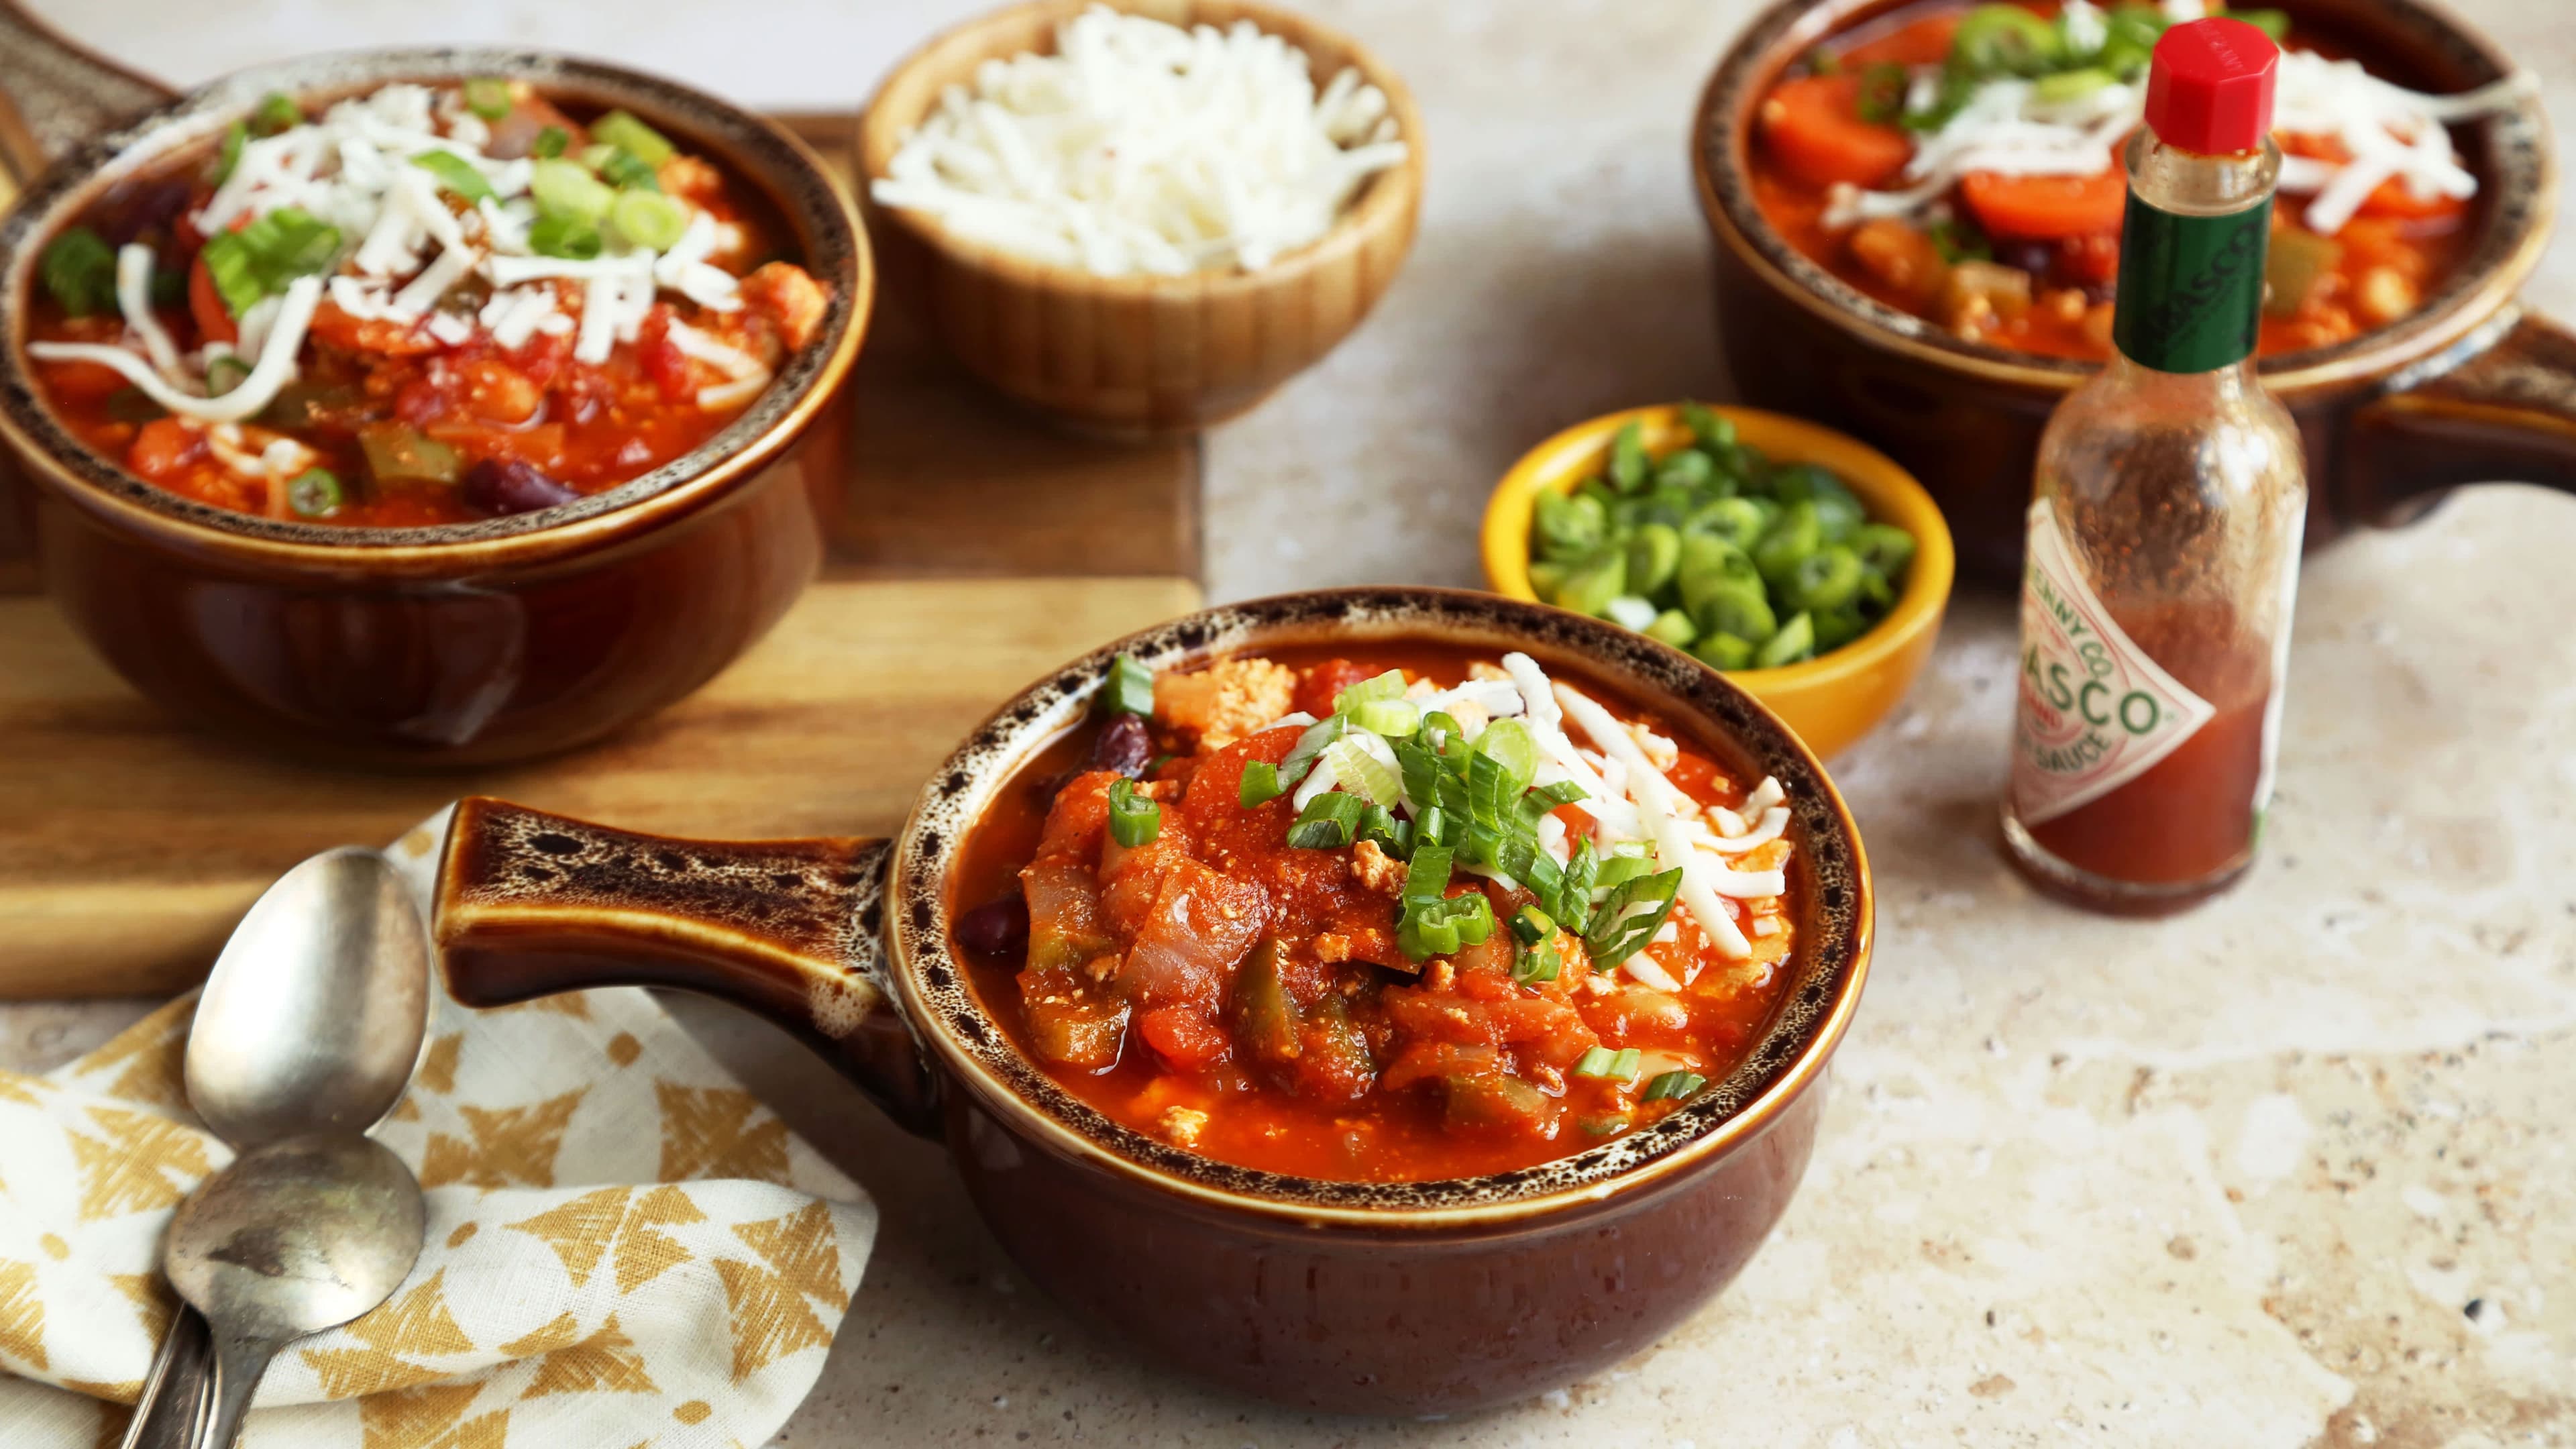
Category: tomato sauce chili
[2027,262]
[1315,1043]
[491,306]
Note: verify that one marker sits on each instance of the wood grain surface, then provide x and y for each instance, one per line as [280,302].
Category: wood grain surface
[128,846]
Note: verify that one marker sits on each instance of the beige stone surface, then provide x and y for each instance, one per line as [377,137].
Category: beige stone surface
[2294,1169]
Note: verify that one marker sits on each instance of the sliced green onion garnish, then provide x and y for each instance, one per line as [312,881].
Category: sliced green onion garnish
[563,188]
[1389,685]
[1508,743]
[1596,1062]
[1535,964]
[1445,725]
[1394,718]
[1329,820]
[1674,1084]
[1364,774]
[228,154]
[1444,927]
[1395,837]
[1426,875]
[1133,819]
[648,219]
[2068,85]
[1532,925]
[315,493]
[551,142]
[455,173]
[79,269]
[1129,689]
[230,266]
[621,129]
[224,373]
[1301,756]
[290,242]
[620,167]
[571,237]
[1625,1066]
[1260,784]
[277,112]
[488,96]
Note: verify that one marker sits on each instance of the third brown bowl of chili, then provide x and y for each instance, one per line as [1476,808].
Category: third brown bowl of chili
[428,406]
[1375,1000]
[1916,209]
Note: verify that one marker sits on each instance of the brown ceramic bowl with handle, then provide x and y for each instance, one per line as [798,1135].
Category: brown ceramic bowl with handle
[1356,1297]
[2468,388]
[456,643]
[1140,355]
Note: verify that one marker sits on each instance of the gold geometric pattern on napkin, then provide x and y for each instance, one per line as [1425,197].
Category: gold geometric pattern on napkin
[623,1248]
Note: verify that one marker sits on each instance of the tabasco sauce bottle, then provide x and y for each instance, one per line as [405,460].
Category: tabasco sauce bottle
[2164,534]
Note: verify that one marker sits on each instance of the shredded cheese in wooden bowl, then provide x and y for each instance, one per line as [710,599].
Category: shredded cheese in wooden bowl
[1141,147]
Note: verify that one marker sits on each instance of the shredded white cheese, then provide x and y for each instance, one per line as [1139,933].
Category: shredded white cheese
[275,368]
[1658,802]
[1141,147]
[2006,128]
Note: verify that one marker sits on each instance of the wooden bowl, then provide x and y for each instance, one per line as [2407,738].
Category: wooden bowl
[1138,355]
[1835,698]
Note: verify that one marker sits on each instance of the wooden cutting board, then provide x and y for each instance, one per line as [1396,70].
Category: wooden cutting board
[977,549]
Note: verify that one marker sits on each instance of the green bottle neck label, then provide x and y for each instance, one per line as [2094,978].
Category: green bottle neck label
[2191,287]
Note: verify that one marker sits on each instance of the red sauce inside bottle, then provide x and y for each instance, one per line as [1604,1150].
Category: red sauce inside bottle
[2191,816]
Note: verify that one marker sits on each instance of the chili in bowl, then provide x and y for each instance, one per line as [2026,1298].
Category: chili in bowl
[1915,204]
[1460,964]
[468,382]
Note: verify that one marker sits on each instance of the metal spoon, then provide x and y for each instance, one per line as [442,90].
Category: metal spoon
[311,1021]
[289,1240]
[313,1017]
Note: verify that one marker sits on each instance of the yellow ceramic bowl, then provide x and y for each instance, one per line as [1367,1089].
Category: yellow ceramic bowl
[1830,700]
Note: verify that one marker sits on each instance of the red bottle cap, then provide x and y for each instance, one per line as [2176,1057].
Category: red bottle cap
[2209,87]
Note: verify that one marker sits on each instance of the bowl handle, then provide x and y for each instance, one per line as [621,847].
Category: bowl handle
[531,904]
[54,94]
[2504,411]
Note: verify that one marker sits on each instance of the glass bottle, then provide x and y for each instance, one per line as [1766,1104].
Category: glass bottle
[2164,530]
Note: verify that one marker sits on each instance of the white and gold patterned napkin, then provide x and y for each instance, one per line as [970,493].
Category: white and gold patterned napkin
[624,1245]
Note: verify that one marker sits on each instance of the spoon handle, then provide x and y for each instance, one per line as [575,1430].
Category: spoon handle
[167,1413]
[240,1361]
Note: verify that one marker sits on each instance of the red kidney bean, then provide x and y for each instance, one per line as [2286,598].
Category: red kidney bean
[997,927]
[506,485]
[1124,745]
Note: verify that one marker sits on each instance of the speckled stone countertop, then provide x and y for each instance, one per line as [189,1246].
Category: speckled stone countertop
[2293,1169]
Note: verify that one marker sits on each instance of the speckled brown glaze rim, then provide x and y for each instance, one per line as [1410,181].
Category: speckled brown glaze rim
[933,989]
[758,152]
[2518,176]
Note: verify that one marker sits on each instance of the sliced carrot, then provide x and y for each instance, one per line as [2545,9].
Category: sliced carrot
[2392,198]
[163,448]
[2046,208]
[214,321]
[1922,42]
[1813,126]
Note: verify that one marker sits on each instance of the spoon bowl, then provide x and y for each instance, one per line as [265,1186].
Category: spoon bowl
[290,1239]
[313,1017]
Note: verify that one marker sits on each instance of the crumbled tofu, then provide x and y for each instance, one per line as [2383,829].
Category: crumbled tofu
[1481,670]
[1471,717]
[1442,974]
[1376,869]
[1183,1124]
[1227,700]
[1332,946]
[790,298]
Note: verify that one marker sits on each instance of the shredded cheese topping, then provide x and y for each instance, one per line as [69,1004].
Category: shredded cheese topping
[1141,147]
[354,169]
[2392,133]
